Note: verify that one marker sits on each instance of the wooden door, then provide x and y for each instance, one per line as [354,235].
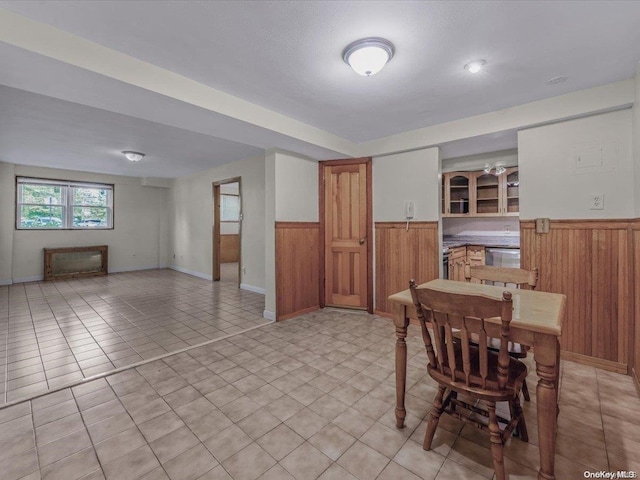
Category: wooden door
[347,238]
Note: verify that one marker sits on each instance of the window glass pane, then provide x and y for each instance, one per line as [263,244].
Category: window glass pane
[43,194]
[229,208]
[40,216]
[90,196]
[90,217]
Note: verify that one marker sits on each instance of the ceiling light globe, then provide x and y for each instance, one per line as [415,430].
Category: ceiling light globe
[368,56]
[475,66]
[133,156]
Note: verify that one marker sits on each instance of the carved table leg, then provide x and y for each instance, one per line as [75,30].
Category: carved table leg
[547,367]
[402,322]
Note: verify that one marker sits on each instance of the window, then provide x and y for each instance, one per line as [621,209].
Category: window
[55,204]
[229,208]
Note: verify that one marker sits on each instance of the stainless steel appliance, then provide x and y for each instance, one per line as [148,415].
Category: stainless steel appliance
[503,257]
[445,263]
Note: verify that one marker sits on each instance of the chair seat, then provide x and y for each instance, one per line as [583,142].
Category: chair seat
[516,350]
[490,392]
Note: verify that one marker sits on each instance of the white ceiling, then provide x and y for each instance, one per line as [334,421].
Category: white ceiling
[286,57]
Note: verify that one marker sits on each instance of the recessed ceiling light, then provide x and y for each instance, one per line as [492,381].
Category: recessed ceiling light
[555,80]
[475,66]
[133,156]
[368,56]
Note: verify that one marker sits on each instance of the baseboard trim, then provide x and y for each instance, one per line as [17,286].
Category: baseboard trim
[595,362]
[191,272]
[380,313]
[298,313]
[35,278]
[636,381]
[269,315]
[133,269]
[251,288]
[6,282]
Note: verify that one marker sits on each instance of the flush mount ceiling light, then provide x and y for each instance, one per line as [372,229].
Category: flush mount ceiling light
[368,56]
[133,156]
[475,66]
[556,80]
[497,170]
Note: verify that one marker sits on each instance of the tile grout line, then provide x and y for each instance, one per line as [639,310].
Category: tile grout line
[127,367]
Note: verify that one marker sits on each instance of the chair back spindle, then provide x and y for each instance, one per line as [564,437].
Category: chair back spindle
[455,318]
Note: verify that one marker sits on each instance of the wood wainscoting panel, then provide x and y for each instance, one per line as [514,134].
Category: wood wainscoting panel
[297,268]
[635,261]
[590,262]
[402,255]
[229,248]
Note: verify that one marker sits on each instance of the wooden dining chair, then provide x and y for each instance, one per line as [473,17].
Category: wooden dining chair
[500,276]
[474,371]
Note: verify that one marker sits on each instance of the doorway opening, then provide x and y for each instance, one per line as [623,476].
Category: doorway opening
[227,231]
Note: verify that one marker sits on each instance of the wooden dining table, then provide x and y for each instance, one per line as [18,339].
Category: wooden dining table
[537,322]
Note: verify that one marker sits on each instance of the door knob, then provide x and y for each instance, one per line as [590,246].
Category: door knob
[361,241]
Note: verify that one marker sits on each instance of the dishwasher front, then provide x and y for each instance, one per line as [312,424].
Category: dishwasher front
[503,257]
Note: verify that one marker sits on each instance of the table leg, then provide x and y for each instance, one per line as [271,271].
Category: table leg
[401,322]
[547,366]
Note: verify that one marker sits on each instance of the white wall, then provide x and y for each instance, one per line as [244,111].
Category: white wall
[556,185]
[296,188]
[137,241]
[7,219]
[191,220]
[270,235]
[291,195]
[469,163]
[410,176]
[636,142]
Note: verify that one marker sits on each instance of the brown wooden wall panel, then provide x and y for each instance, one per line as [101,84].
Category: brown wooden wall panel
[403,255]
[297,268]
[590,262]
[229,248]
[635,257]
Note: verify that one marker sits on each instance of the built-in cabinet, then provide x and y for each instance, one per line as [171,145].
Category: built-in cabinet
[458,256]
[480,194]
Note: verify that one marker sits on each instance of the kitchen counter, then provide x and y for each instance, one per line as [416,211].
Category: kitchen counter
[452,241]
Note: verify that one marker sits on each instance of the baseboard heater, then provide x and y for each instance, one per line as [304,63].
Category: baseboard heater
[73,262]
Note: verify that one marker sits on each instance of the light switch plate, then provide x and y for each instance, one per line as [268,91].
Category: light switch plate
[542,225]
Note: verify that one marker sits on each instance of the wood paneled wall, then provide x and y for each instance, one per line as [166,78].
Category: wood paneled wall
[229,248]
[402,255]
[635,261]
[591,262]
[297,268]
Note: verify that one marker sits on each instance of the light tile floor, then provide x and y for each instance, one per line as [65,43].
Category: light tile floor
[312,397]
[56,333]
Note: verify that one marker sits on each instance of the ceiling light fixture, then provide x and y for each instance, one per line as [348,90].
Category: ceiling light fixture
[556,80]
[497,170]
[133,156]
[475,66]
[368,56]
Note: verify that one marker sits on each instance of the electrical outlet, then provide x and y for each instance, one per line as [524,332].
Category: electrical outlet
[596,201]
[244,270]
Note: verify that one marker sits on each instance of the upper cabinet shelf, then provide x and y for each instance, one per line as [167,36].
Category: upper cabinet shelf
[479,194]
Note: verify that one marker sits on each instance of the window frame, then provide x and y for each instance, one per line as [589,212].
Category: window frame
[67,202]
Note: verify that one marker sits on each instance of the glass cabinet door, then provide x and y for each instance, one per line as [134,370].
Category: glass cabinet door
[459,193]
[487,194]
[512,192]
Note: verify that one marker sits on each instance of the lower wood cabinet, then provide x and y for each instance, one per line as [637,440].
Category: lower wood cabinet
[458,256]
